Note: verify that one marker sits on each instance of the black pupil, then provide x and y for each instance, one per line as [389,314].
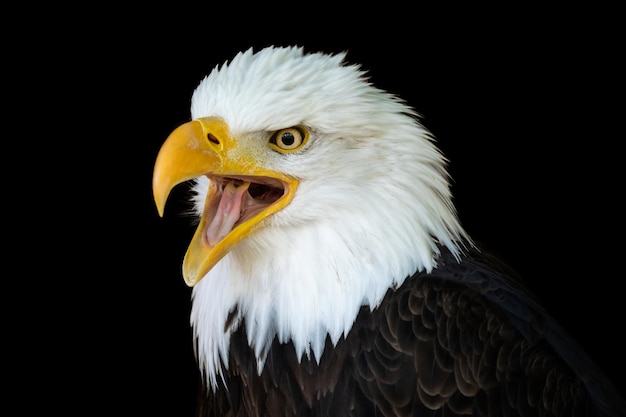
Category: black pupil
[288,139]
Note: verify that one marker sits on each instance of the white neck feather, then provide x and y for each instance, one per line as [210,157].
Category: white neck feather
[306,281]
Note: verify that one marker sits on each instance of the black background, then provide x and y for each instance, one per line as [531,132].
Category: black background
[520,102]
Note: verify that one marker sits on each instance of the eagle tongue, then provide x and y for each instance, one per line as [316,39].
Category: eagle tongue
[228,212]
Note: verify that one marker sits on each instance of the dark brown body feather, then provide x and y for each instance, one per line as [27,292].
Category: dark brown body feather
[463,340]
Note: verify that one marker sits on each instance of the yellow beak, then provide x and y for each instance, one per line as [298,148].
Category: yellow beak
[206,147]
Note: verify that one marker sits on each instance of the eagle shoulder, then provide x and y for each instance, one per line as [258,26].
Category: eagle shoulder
[469,339]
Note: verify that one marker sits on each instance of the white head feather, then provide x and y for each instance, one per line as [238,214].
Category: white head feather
[372,207]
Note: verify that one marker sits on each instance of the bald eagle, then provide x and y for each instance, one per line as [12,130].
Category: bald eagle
[331,275]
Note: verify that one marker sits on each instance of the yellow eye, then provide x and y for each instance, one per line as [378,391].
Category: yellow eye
[290,139]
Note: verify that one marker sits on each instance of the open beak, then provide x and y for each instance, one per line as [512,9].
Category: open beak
[241,191]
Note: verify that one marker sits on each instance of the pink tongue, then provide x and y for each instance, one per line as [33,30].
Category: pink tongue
[228,212]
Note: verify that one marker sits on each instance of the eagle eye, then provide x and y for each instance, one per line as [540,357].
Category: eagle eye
[290,139]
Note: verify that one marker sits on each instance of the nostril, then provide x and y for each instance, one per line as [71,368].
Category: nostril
[213,139]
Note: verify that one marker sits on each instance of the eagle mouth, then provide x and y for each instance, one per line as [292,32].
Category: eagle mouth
[234,200]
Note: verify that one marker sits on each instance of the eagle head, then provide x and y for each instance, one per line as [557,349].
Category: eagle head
[315,191]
